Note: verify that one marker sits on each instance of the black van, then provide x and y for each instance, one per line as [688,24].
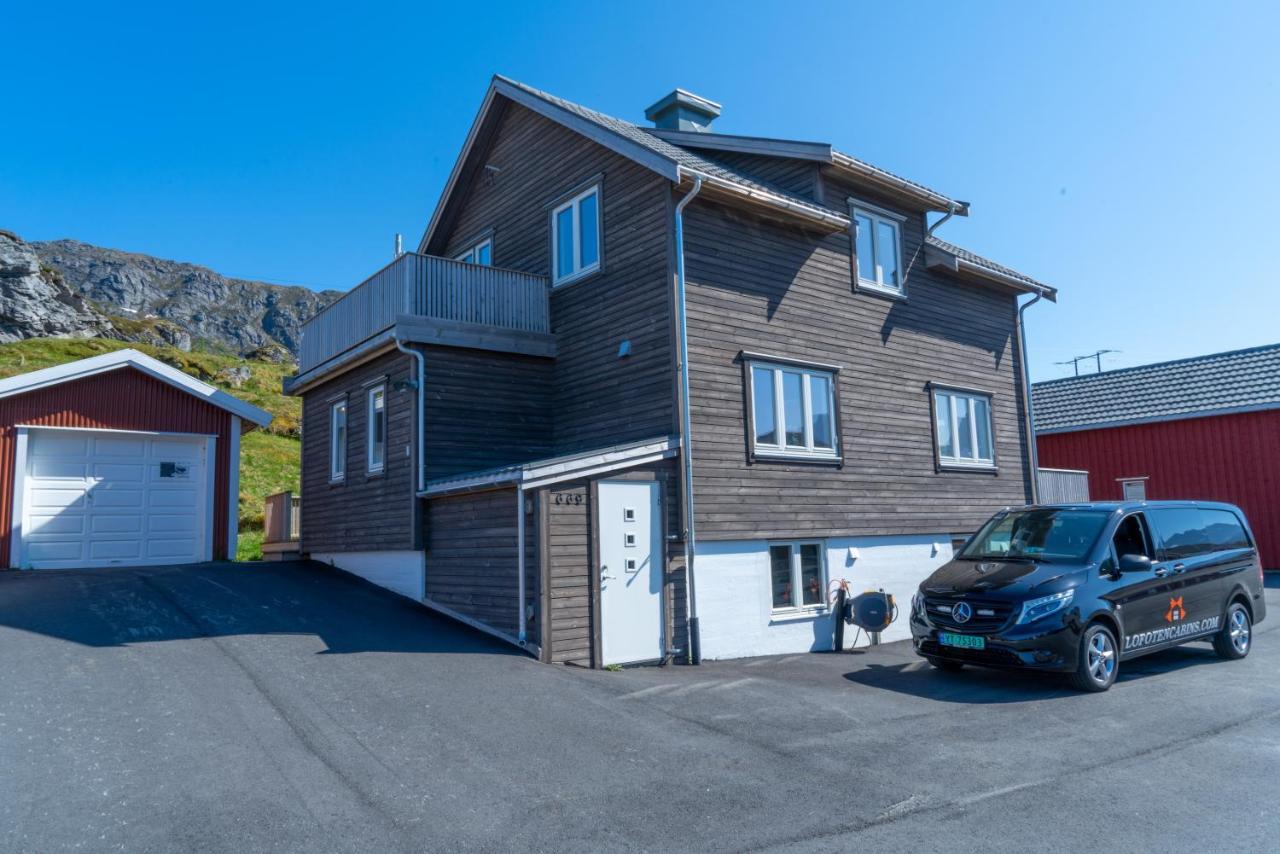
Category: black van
[1078,588]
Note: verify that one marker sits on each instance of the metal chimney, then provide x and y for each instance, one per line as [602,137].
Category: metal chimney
[399,245]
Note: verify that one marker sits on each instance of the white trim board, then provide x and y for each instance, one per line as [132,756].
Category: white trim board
[129,358]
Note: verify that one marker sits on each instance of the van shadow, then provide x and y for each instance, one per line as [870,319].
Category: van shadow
[987,686]
[127,606]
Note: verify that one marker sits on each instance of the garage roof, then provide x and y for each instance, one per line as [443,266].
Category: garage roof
[1217,384]
[130,358]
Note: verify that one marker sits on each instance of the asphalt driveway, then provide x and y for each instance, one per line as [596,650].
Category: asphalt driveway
[286,707]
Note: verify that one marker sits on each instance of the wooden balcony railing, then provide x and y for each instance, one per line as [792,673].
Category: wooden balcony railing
[426,286]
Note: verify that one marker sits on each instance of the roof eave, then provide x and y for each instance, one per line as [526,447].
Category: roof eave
[930,199]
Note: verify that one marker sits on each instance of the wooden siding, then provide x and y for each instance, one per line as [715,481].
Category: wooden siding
[1232,458]
[767,288]
[363,512]
[472,545]
[570,552]
[123,399]
[485,409]
[597,398]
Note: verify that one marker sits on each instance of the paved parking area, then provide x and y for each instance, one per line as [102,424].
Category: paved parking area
[291,707]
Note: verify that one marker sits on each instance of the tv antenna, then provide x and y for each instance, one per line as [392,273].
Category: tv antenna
[1097,357]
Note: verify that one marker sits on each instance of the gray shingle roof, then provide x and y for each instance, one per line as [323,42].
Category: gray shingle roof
[1240,380]
[681,156]
[977,260]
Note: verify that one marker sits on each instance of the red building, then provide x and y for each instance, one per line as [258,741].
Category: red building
[1200,428]
[118,460]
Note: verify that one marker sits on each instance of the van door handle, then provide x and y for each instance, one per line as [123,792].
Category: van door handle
[1179,567]
[1161,572]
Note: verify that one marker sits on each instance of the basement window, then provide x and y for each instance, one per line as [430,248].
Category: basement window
[575,237]
[797,576]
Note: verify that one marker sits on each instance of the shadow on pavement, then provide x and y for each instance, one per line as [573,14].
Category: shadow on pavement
[126,606]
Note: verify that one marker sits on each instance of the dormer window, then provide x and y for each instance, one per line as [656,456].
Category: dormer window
[481,253]
[575,236]
[878,248]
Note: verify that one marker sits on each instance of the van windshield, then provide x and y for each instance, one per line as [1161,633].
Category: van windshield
[1041,534]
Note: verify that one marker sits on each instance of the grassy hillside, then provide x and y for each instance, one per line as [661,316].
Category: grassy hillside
[269,459]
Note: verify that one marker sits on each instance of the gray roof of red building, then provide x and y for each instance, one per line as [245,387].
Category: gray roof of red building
[1216,384]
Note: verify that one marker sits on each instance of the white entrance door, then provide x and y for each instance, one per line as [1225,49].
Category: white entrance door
[630,572]
[100,498]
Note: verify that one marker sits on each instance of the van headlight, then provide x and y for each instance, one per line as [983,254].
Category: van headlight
[917,606]
[1034,609]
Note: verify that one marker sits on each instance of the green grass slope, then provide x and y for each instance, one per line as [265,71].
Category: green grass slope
[269,459]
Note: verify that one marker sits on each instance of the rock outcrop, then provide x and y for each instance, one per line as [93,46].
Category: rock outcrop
[35,301]
[152,299]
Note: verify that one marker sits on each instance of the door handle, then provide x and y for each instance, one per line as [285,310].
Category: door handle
[1161,572]
[1179,567]
[605,576]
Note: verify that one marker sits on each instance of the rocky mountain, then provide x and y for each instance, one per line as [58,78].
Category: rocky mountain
[66,288]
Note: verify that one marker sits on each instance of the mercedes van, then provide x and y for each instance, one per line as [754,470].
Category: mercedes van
[1080,588]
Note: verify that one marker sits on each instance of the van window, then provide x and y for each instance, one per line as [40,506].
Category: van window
[1131,537]
[1188,531]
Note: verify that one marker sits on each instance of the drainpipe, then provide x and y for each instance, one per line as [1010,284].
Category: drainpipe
[420,431]
[686,449]
[520,561]
[1029,408]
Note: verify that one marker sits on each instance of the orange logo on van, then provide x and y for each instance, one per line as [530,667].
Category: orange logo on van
[1176,611]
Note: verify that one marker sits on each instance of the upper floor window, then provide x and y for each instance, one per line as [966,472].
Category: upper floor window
[963,428]
[338,440]
[575,236]
[793,411]
[481,253]
[376,442]
[878,248]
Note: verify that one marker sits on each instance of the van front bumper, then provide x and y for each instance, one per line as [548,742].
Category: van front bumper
[1054,648]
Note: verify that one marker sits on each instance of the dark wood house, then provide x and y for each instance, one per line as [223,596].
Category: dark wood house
[504,427]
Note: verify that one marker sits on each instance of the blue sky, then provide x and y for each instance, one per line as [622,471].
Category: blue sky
[1124,152]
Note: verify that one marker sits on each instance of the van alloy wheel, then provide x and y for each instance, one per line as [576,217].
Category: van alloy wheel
[1098,661]
[1233,640]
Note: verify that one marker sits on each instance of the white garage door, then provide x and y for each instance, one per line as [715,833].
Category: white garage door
[97,498]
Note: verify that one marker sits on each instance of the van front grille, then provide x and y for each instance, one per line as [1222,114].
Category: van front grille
[987,615]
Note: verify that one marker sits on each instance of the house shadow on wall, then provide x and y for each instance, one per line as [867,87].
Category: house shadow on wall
[127,606]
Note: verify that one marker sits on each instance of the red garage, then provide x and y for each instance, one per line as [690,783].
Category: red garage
[118,460]
[1206,428]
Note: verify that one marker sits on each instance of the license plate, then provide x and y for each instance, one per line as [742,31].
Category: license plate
[962,641]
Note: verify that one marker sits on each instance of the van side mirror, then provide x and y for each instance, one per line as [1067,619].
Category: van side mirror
[1135,563]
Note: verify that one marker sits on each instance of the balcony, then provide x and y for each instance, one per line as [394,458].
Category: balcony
[427,299]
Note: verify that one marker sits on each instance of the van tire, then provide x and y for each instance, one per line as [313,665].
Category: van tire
[1234,640]
[946,665]
[1093,672]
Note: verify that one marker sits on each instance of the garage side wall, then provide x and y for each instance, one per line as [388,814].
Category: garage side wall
[471,558]
[123,399]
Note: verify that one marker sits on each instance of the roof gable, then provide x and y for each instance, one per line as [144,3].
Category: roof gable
[1217,384]
[129,358]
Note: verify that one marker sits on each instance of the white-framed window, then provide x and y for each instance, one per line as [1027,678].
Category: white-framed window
[797,576]
[793,411]
[1134,488]
[878,248]
[481,253]
[376,441]
[338,440]
[575,237]
[963,428]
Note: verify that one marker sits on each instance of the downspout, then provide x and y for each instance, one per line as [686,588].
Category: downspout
[1029,407]
[523,636]
[420,428]
[686,449]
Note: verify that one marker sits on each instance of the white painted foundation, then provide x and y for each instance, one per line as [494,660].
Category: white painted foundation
[735,608]
[402,572]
